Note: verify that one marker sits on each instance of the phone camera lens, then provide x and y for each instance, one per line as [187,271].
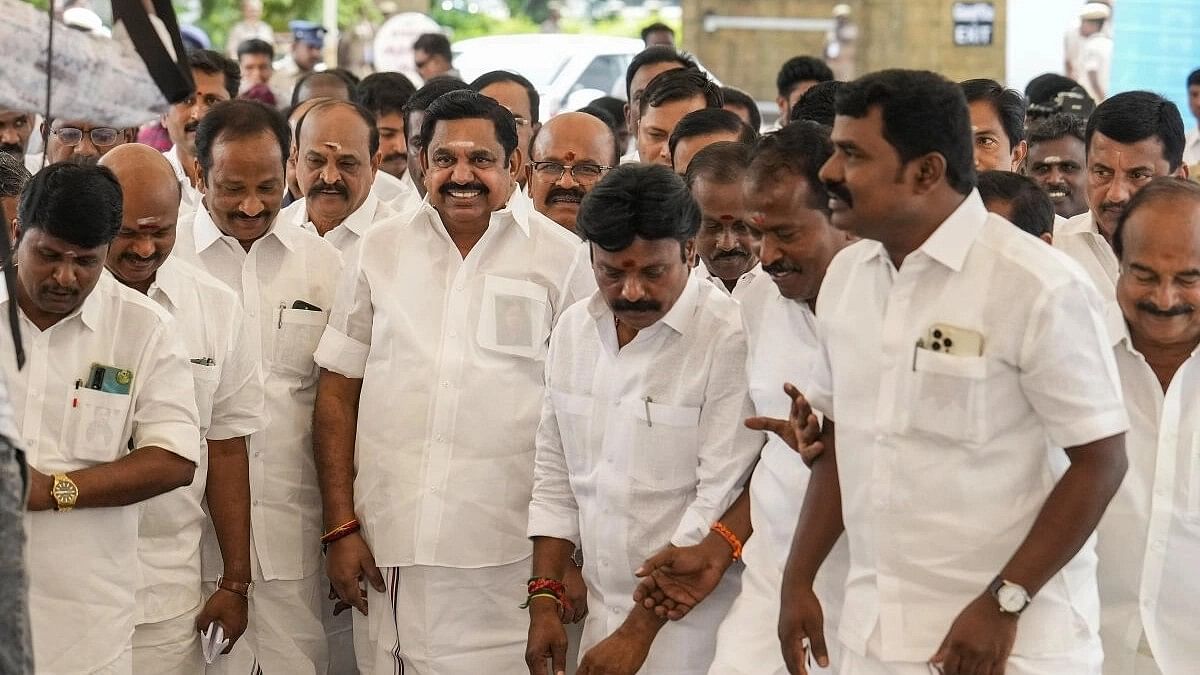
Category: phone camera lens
[937,334]
[948,343]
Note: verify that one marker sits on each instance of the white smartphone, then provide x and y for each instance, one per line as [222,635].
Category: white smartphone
[953,340]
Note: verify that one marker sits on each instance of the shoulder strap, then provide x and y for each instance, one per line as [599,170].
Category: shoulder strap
[173,80]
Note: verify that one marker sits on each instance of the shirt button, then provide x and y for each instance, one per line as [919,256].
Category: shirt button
[258,453]
[256,502]
[433,489]
[439,438]
[445,384]
[1158,546]
[453,333]
[878,438]
[458,287]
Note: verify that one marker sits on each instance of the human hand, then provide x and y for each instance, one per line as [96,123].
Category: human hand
[40,485]
[676,579]
[802,627]
[547,638]
[576,595]
[979,641]
[228,609]
[348,563]
[621,653]
[801,431]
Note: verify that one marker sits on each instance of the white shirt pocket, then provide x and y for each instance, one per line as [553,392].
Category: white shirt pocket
[514,317]
[296,338]
[666,450]
[98,418]
[947,397]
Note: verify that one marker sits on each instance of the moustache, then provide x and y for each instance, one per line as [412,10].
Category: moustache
[190,127]
[574,195]
[839,190]
[1151,308]
[322,186]
[12,149]
[729,255]
[137,259]
[780,267]
[1113,206]
[447,188]
[83,160]
[55,289]
[621,305]
[395,157]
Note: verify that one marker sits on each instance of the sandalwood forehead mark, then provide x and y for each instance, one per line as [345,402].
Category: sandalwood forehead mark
[758,218]
[148,220]
[336,147]
[1053,159]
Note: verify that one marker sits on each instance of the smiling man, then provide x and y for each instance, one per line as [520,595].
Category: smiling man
[1057,159]
[569,154]
[1131,138]
[428,405]
[217,79]
[726,244]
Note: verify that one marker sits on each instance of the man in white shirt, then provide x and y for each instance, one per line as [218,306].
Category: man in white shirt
[788,206]
[1095,50]
[336,159]
[726,244]
[105,412]
[1149,538]
[968,465]
[285,278]
[445,385]
[569,153]
[217,79]
[1057,161]
[641,444]
[229,399]
[1191,149]
[1130,139]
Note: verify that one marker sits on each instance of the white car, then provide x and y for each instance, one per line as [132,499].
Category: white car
[569,71]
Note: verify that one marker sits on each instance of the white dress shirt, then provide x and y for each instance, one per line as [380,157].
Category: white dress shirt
[1080,239]
[83,565]
[451,353]
[350,231]
[229,399]
[286,266]
[946,460]
[1149,538]
[1191,147]
[754,277]
[398,193]
[643,446]
[189,195]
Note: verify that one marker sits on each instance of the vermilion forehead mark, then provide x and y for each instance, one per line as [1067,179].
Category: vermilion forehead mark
[570,156]
[726,218]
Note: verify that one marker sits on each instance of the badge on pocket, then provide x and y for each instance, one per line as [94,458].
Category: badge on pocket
[110,379]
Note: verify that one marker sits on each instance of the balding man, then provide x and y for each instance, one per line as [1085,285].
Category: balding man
[325,84]
[229,399]
[568,155]
[336,160]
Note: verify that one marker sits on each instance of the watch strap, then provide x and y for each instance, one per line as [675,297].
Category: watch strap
[241,588]
[1000,582]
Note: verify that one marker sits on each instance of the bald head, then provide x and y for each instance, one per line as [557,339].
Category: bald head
[150,208]
[576,140]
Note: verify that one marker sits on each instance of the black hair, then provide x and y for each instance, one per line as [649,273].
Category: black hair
[1133,116]
[434,89]
[922,112]
[384,93]
[1008,104]
[651,56]
[817,104]
[600,114]
[614,107]
[646,201]
[434,44]
[1044,87]
[495,76]
[13,176]
[678,85]
[467,105]
[710,121]
[1032,210]
[721,162]
[1194,78]
[236,119]
[256,46]
[739,98]
[77,203]
[308,80]
[366,115]
[800,69]
[656,27]
[1054,127]
[213,63]
[1163,187]
[801,149]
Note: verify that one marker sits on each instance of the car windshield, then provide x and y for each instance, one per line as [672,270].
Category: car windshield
[536,65]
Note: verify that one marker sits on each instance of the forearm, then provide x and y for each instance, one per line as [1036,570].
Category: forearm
[1070,513]
[335,422]
[551,556]
[228,495]
[820,523]
[737,520]
[642,624]
[144,473]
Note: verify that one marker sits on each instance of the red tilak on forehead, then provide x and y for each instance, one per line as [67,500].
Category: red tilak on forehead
[725,218]
[570,157]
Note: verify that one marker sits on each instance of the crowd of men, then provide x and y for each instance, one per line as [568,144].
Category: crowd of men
[405,380]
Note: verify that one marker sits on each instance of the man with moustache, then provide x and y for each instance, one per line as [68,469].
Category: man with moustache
[1131,138]
[384,95]
[668,97]
[788,206]
[229,399]
[1057,159]
[953,341]
[78,141]
[285,277]
[1149,538]
[337,158]
[428,405]
[217,79]
[640,444]
[15,129]
[645,66]
[104,411]
[568,155]
[726,244]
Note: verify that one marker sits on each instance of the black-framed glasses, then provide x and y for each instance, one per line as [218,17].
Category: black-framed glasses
[584,174]
[101,136]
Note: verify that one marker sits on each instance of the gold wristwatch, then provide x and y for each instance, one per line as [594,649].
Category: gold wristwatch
[64,491]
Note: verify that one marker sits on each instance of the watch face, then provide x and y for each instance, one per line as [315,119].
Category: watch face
[1011,598]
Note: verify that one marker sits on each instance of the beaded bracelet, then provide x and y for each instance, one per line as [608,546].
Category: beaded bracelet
[730,538]
[545,587]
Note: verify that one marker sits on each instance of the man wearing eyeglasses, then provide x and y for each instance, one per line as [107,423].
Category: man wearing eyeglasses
[82,142]
[569,154]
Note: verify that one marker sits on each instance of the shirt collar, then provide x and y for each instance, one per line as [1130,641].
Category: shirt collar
[356,222]
[504,216]
[89,312]
[206,232]
[167,281]
[1083,223]
[679,318]
[952,240]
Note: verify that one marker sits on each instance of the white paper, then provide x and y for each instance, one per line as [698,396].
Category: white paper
[213,642]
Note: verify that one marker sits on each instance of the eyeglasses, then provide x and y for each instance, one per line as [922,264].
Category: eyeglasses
[585,174]
[101,136]
[521,121]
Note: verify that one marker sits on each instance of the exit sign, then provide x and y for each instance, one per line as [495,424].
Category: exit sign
[974,23]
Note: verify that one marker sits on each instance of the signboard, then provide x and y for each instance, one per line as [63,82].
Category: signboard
[974,23]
